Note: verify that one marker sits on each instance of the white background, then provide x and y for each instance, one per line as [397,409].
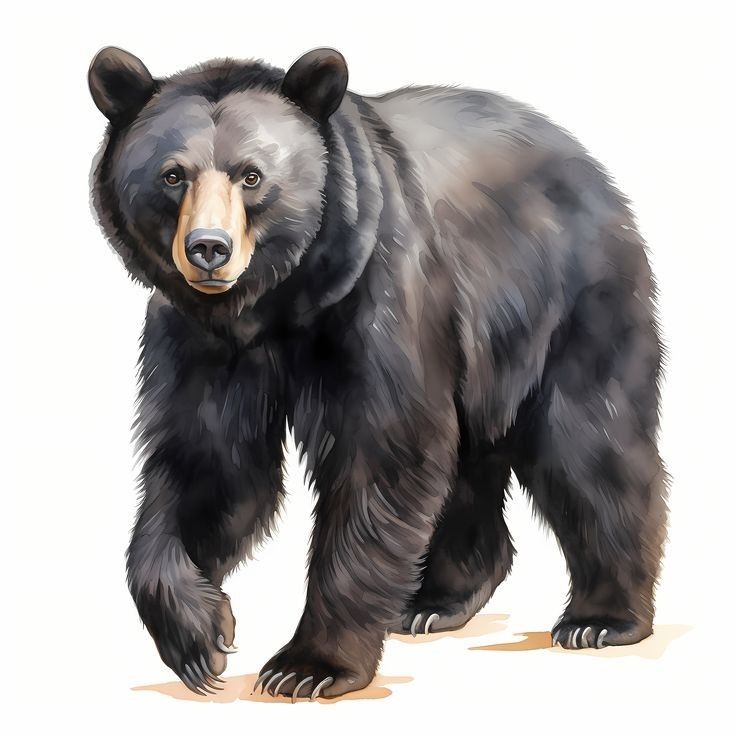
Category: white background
[648,91]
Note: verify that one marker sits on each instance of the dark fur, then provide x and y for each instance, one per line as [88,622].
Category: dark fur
[468,297]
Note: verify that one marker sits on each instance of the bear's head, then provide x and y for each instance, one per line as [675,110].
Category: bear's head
[210,182]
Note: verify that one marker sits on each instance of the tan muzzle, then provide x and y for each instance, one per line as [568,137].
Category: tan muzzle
[212,247]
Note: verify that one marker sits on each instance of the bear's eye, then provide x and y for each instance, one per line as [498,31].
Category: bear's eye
[173,178]
[251,179]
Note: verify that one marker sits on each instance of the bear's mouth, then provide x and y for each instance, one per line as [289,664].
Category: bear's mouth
[214,282]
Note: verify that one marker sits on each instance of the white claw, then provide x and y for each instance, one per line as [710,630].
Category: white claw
[325,683]
[570,640]
[268,684]
[556,638]
[198,687]
[224,648]
[434,617]
[599,640]
[261,679]
[583,639]
[281,682]
[417,620]
[190,683]
[299,686]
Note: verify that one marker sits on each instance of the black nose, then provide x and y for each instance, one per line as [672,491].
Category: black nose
[208,249]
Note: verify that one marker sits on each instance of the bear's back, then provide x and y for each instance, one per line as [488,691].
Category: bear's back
[468,143]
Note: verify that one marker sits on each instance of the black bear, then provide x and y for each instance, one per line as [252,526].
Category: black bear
[435,287]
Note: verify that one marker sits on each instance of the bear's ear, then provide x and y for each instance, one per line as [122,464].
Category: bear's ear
[317,82]
[120,84]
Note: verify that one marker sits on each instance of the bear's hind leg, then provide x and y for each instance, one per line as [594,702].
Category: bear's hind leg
[471,551]
[587,454]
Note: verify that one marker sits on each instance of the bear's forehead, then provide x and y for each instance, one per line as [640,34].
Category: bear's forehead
[199,133]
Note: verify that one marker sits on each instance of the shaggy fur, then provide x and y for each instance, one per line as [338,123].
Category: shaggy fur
[445,288]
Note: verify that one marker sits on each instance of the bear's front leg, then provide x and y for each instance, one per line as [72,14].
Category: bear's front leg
[381,487]
[187,615]
[211,427]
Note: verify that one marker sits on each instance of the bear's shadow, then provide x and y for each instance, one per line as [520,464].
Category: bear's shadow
[652,647]
[241,687]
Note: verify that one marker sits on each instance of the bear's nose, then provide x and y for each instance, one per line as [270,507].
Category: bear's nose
[208,248]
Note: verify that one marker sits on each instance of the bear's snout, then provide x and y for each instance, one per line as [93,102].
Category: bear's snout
[212,246]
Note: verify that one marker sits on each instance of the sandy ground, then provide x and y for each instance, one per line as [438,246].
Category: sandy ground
[240,687]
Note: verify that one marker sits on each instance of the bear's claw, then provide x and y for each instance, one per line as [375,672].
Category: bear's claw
[427,625]
[190,684]
[283,681]
[571,634]
[580,637]
[295,694]
[262,678]
[197,681]
[208,671]
[434,617]
[309,671]
[277,681]
[270,682]
[298,674]
[224,648]
[325,683]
